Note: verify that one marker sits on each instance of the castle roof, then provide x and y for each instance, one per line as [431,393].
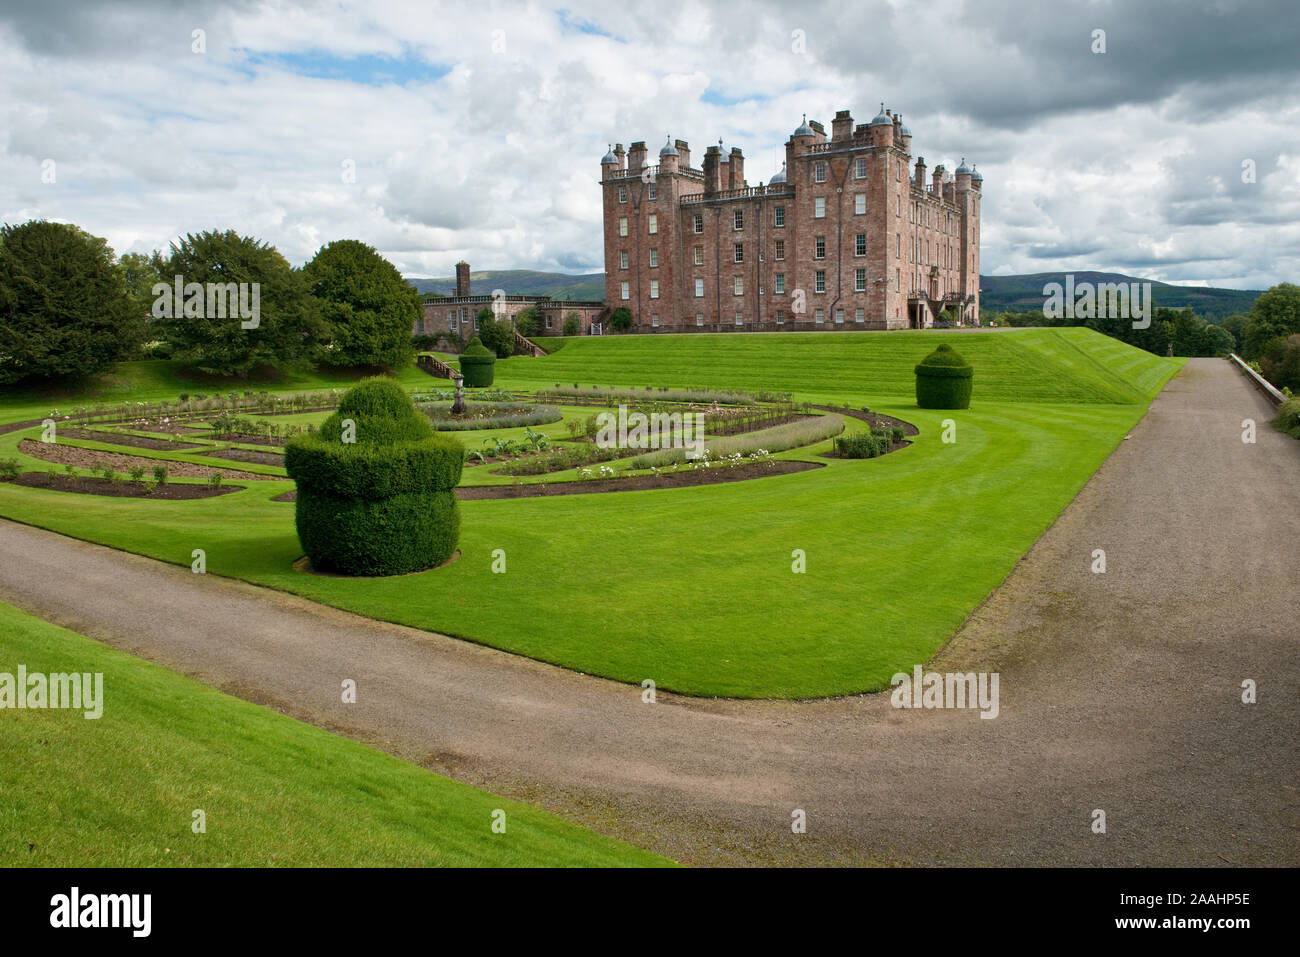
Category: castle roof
[610,157]
[668,149]
[881,119]
[779,177]
[804,129]
[976,176]
[963,169]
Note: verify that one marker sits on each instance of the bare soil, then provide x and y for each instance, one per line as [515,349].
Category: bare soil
[874,419]
[133,441]
[87,485]
[90,458]
[248,455]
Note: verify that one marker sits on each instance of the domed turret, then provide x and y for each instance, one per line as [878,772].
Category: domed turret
[610,159]
[976,176]
[779,178]
[963,169]
[804,129]
[668,149]
[882,119]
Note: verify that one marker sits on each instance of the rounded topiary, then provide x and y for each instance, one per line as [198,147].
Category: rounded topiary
[477,364]
[944,380]
[375,486]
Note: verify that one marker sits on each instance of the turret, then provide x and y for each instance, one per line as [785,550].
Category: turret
[882,129]
[668,157]
[963,176]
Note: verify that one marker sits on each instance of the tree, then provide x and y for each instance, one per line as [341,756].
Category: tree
[242,306]
[1216,341]
[497,334]
[1276,314]
[621,320]
[572,324]
[1236,327]
[368,309]
[64,305]
[527,321]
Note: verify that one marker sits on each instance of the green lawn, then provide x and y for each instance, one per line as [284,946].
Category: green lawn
[693,587]
[121,790]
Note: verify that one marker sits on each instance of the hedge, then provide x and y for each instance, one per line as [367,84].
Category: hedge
[382,504]
[478,364]
[944,380]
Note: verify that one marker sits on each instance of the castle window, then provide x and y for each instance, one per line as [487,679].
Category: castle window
[779,252]
[699,255]
[778,283]
[622,194]
[780,317]
[699,223]
[699,318]
[738,218]
[622,260]
[819,248]
[654,319]
[652,192]
[452,316]
[819,172]
[819,207]
[859,203]
[738,286]
[548,321]
[860,244]
[819,316]
[654,288]
[839,317]
[899,175]
[860,315]
[622,225]
[626,291]
[740,319]
[898,245]
[860,167]
[420,326]
[654,258]
[859,280]
[898,282]
[740,252]
[896,206]
[819,283]
[654,224]
[699,289]
[778,217]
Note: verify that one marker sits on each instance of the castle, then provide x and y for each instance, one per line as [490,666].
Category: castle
[848,235]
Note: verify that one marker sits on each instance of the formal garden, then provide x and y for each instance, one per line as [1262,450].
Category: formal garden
[815,445]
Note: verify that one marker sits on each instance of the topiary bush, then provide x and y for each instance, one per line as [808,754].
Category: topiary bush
[944,380]
[477,364]
[382,503]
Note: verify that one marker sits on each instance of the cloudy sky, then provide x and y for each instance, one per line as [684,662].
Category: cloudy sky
[436,132]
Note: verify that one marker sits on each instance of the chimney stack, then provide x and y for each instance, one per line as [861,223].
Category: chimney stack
[462,279]
[712,171]
[736,168]
[684,148]
[842,127]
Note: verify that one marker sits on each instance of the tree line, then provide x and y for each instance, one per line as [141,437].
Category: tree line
[69,308]
[1268,336]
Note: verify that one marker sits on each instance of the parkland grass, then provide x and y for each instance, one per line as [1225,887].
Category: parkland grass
[120,790]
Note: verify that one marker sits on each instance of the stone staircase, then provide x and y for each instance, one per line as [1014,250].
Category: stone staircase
[435,366]
[526,347]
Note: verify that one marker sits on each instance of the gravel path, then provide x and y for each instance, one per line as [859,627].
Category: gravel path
[1119,691]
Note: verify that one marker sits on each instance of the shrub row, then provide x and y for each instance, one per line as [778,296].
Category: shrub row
[867,445]
[490,415]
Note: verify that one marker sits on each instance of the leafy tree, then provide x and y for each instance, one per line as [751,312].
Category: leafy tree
[572,324]
[64,305]
[1236,327]
[496,334]
[141,273]
[1280,362]
[1276,314]
[368,309]
[621,320]
[283,331]
[527,321]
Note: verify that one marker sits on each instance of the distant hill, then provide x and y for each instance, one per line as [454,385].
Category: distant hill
[522,282]
[997,293]
[1025,292]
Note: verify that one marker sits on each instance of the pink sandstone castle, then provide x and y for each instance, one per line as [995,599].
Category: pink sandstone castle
[850,234]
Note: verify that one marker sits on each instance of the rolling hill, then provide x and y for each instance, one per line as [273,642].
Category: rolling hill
[997,293]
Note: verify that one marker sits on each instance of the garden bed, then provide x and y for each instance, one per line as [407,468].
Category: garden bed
[873,419]
[132,441]
[87,485]
[91,458]
[248,455]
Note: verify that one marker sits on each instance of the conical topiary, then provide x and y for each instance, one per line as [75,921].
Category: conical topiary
[375,486]
[477,364]
[944,380]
